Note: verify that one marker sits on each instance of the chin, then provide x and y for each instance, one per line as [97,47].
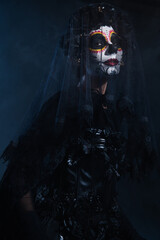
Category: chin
[112,70]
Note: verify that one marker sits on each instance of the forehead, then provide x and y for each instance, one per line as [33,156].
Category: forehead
[106,31]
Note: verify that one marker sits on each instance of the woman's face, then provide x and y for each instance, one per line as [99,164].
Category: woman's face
[105,51]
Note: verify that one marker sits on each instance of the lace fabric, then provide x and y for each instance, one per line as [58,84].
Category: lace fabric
[96,74]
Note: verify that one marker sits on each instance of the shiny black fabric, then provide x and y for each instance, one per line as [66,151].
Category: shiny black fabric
[80,196]
[74,187]
[75,142]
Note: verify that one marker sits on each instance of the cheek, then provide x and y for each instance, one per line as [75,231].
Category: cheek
[97,56]
[119,55]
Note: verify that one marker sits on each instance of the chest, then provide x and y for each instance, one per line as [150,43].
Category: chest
[83,175]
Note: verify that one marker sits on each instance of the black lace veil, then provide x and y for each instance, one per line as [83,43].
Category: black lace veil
[69,76]
[69,86]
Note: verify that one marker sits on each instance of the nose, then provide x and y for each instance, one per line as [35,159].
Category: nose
[111,49]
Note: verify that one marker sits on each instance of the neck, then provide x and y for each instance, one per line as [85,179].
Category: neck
[99,86]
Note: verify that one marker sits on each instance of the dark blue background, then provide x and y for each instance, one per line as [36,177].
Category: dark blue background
[29,31]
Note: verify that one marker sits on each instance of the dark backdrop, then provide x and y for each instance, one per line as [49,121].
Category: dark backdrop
[29,31]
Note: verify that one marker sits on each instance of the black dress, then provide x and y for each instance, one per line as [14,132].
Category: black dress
[78,201]
[72,178]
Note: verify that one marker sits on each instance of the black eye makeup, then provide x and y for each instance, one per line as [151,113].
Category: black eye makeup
[97,42]
[116,41]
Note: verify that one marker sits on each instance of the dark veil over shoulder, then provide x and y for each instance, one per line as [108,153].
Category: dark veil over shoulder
[63,105]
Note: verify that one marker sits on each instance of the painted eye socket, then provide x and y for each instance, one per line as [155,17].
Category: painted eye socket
[97,42]
[116,41]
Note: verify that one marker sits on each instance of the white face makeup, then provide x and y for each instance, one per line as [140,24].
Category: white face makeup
[105,51]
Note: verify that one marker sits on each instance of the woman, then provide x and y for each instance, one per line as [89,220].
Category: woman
[79,139]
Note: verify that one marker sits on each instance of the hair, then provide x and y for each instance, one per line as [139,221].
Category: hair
[92,17]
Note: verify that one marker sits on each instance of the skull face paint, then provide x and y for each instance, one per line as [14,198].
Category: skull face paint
[105,51]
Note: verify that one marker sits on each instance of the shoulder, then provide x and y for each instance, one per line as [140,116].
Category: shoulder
[47,112]
[50,105]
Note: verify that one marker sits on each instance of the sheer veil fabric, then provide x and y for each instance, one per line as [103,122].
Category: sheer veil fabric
[94,32]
